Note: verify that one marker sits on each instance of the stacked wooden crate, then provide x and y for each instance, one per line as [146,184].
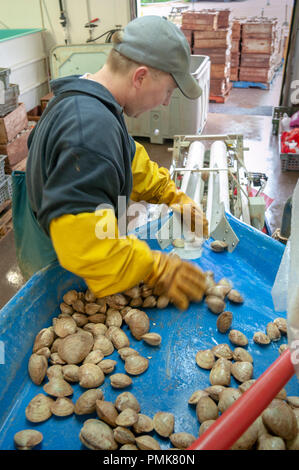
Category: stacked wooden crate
[260,46]
[14,132]
[236,48]
[211,36]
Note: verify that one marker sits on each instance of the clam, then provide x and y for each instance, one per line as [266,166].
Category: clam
[97,435]
[65,308]
[205,359]
[227,397]
[107,365]
[196,396]
[86,402]
[238,338]
[95,328]
[70,372]
[55,371]
[57,387]
[104,344]
[74,348]
[97,318]
[224,321]
[248,438]
[153,339]
[261,338]
[163,423]
[268,442]
[218,246]
[44,338]
[220,372]
[205,426]
[79,306]
[90,376]
[215,304]
[149,302]
[143,424]
[206,409]
[127,400]
[103,304]
[146,290]
[182,440]
[89,296]
[218,291]
[214,391]
[133,292]
[127,417]
[162,301]
[147,443]
[281,324]
[80,319]
[70,297]
[62,407]
[240,354]
[137,302]
[94,357]
[282,348]
[280,419]
[222,350]
[56,359]
[178,243]
[123,435]
[138,322]
[125,352]
[120,380]
[136,365]
[107,412]
[37,368]
[44,352]
[39,408]
[273,331]
[119,338]
[28,438]
[242,370]
[113,318]
[117,301]
[91,308]
[235,296]
[246,385]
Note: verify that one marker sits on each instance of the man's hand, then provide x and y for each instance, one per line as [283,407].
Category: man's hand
[179,280]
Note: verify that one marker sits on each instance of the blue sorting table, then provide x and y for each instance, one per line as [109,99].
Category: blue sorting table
[173,374]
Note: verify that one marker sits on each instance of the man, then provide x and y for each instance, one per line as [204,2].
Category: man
[82,157]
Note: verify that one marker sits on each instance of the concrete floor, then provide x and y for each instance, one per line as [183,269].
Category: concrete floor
[247,111]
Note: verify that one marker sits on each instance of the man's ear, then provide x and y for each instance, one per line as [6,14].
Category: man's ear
[139,75]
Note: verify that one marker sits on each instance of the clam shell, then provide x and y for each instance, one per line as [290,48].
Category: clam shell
[163,423]
[125,352]
[57,387]
[79,306]
[246,385]
[70,372]
[74,348]
[127,417]
[96,328]
[149,302]
[280,420]
[261,338]
[44,352]
[97,435]
[136,365]
[218,246]
[268,442]
[218,291]
[182,440]
[39,408]
[123,435]
[227,397]
[238,338]
[127,400]
[37,368]
[113,318]
[94,357]
[104,344]
[62,407]
[235,296]
[91,308]
[205,359]
[215,304]
[119,339]
[65,308]
[147,443]
[44,338]
[120,380]
[273,331]
[90,296]
[143,424]
[206,409]
[80,319]
[97,318]
[28,438]
[137,302]
[224,321]
[138,322]
[153,339]
[70,297]
[281,324]
[214,391]
[205,425]
[55,371]
[107,365]
[223,350]
[133,292]
[107,412]
[196,396]
[162,301]
[220,372]
[240,354]
[248,438]
[90,376]
[116,301]
[86,402]
[242,371]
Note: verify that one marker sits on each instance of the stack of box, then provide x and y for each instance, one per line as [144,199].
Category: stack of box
[211,36]
[9,93]
[260,49]
[235,50]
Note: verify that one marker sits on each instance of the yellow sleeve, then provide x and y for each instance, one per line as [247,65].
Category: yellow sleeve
[151,183]
[88,245]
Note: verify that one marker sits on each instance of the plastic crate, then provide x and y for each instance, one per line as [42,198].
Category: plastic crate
[289,161]
[11,98]
[4,77]
[277,113]
[4,191]
[2,168]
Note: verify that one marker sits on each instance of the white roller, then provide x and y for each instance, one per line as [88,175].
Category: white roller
[192,182]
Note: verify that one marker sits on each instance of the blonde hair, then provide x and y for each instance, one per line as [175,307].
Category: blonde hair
[120,64]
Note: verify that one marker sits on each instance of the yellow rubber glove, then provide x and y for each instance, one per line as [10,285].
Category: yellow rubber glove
[179,280]
[153,184]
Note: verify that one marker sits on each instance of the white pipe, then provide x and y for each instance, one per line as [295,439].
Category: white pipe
[191,184]
[219,159]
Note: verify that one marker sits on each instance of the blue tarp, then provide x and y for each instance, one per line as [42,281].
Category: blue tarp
[173,374]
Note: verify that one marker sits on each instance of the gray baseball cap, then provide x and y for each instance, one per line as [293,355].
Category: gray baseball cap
[156,42]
